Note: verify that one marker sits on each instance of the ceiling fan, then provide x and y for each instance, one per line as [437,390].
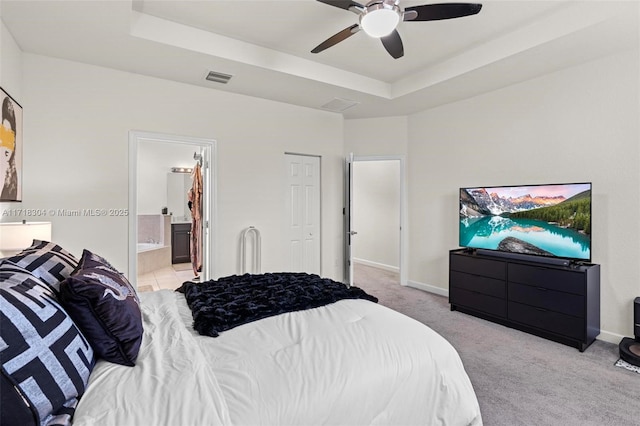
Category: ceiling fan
[379,19]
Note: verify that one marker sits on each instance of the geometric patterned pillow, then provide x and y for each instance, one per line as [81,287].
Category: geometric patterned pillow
[47,261]
[105,306]
[45,359]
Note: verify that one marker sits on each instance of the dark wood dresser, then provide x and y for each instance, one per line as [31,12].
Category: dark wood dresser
[560,303]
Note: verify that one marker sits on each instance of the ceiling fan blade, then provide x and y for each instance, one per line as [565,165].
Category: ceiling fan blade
[393,44]
[342,4]
[434,12]
[336,38]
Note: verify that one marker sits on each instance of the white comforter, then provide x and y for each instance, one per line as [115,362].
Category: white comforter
[350,363]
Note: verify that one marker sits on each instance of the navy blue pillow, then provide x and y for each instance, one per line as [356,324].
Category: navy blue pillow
[106,308]
[45,359]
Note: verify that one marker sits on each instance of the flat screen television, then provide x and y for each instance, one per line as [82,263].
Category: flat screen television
[539,220]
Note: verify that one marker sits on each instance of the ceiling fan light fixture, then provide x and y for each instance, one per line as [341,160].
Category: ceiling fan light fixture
[380,19]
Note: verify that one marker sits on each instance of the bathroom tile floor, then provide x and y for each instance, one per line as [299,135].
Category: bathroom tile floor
[170,278]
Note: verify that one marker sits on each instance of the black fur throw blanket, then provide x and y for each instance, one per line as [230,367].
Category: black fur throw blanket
[219,305]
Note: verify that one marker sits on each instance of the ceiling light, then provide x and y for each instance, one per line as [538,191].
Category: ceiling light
[380,19]
[181,170]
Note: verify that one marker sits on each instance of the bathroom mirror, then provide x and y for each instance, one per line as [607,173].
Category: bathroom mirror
[178,185]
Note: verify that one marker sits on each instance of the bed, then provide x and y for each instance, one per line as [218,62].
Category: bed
[351,362]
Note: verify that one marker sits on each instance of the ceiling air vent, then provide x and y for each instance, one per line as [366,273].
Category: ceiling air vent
[339,105]
[218,77]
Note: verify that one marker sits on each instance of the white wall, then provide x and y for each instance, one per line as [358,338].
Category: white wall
[578,124]
[10,63]
[376,136]
[376,215]
[76,155]
[3,35]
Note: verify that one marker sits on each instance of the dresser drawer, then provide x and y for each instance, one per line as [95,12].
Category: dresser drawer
[566,303]
[552,279]
[473,265]
[477,283]
[554,322]
[478,301]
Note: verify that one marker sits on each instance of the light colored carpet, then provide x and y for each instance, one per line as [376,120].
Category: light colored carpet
[520,379]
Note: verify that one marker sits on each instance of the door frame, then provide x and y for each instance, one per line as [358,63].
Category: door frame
[209,196]
[403,248]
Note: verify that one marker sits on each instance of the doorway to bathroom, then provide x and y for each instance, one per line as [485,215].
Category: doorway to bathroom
[172,210]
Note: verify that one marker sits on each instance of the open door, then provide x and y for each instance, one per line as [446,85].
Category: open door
[348,212]
[353,185]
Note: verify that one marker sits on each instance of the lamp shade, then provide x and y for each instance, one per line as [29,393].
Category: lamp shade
[15,236]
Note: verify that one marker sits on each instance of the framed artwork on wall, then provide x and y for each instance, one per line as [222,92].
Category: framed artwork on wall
[10,149]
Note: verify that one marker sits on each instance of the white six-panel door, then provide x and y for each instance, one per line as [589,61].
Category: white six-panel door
[303,213]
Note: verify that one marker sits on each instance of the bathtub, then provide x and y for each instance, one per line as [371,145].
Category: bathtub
[156,255]
[152,257]
[148,246]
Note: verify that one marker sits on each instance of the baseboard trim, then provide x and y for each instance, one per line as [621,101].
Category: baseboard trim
[607,336]
[377,265]
[428,288]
